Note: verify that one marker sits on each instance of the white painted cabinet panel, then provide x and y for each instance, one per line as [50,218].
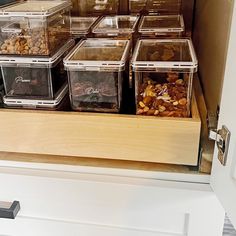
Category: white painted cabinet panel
[223,178]
[52,204]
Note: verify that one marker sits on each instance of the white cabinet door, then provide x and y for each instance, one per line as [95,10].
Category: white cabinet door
[223,179]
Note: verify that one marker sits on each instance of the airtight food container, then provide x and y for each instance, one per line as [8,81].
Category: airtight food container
[96,70]
[59,102]
[163,70]
[81,26]
[34,78]
[116,26]
[165,26]
[162,7]
[34,28]
[97,7]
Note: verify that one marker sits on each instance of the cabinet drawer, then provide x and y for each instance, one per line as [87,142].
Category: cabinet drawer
[90,202]
[60,203]
[111,136]
[23,226]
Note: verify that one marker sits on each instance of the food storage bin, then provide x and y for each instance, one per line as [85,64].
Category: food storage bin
[155,6]
[59,102]
[36,28]
[163,70]
[168,26]
[32,77]
[81,26]
[97,7]
[1,90]
[116,26]
[96,69]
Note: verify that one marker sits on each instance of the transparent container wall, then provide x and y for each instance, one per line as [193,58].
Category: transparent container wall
[163,94]
[95,90]
[97,7]
[4,2]
[1,90]
[171,26]
[99,51]
[164,52]
[81,26]
[119,27]
[32,82]
[34,36]
[155,6]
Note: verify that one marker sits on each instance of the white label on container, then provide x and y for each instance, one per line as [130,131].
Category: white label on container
[20,79]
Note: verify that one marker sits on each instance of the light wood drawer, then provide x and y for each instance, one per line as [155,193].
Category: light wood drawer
[112,136]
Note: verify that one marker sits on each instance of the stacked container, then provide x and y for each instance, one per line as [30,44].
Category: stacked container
[119,26]
[96,70]
[35,35]
[97,7]
[162,26]
[81,26]
[160,7]
[163,70]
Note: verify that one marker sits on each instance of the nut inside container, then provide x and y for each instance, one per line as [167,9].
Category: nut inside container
[81,26]
[37,28]
[155,6]
[98,7]
[163,72]
[95,71]
[162,26]
[116,26]
[34,78]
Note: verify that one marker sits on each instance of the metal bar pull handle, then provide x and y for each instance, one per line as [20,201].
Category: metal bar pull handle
[9,210]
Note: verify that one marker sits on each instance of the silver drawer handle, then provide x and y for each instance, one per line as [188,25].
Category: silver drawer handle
[9,210]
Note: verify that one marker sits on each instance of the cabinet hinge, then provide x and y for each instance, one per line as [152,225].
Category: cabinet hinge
[212,119]
[222,139]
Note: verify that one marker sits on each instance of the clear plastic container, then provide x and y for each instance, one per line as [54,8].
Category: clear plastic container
[34,78]
[116,26]
[155,6]
[36,28]
[163,70]
[81,26]
[96,71]
[60,102]
[97,7]
[5,2]
[1,90]
[168,26]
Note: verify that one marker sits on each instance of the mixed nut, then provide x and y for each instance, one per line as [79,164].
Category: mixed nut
[36,41]
[167,99]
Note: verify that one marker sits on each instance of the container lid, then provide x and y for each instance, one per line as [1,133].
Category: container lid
[34,8]
[37,61]
[164,53]
[59,96]
[98,54]
[161,24]
[82,25]
[122,24]
[168,7]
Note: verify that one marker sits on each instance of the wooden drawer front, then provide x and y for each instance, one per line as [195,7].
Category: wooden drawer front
[86,205]
[124,137]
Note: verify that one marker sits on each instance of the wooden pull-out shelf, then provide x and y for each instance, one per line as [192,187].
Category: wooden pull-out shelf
[112,136]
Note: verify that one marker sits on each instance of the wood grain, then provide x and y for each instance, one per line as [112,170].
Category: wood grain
[112,136]
[211,36]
